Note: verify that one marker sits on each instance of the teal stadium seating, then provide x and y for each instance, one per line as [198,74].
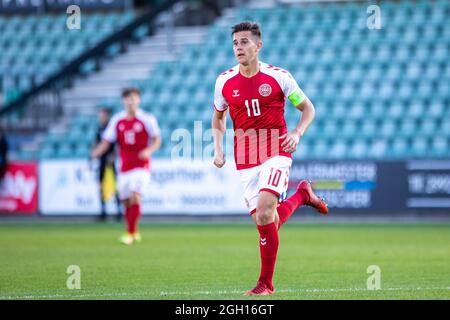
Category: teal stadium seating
[34,47]
[379,94]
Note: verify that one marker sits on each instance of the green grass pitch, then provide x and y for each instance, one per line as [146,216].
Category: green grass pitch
[221,261]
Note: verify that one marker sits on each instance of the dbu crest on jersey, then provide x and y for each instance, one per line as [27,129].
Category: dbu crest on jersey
[265,90]
[137,127]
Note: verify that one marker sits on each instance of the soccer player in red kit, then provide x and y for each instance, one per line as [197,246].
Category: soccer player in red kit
[254,93]
[138,136]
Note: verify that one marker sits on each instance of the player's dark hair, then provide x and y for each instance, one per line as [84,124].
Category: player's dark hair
[247,26]
[128,91]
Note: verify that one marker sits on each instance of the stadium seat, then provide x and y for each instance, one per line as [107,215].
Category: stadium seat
[419,145]
[440,147]
[398,149]
[388,128]
[82,151]
[47,152]
[65,150]
[44,39]
[338,150]
[319,149]
[378,149]
[358,150]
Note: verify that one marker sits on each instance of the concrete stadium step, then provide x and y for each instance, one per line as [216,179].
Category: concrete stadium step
[227,18]
[136,63]
[142,59]
[122,74]
[81,106]
[119,80]
[179,38]
[88,89]
[272,3]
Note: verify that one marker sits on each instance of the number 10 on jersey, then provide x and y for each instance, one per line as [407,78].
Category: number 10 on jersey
[255,108]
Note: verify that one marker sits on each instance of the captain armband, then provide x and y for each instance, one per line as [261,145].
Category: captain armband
[297,97]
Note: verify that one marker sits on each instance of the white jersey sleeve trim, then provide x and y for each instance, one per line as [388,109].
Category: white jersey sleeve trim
[284,79]
[220,103]
[110,133]
[150,123]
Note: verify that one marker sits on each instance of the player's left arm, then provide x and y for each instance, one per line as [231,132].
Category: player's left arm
[155,144]
[298,98]
[155,140]
[308,113]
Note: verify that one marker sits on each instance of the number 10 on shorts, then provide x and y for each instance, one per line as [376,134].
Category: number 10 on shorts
[274,177]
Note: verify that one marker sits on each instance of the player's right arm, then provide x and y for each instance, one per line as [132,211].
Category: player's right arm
[218,122]
[219,127]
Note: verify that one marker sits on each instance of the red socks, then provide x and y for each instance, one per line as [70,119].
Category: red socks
[132,214]
[268,247]
[286,208]
[268,236]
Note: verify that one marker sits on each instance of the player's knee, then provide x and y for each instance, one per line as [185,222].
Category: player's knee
[265,214]
[136,198]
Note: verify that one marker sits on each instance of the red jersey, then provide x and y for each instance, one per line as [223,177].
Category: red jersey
[132,135]
[256,106]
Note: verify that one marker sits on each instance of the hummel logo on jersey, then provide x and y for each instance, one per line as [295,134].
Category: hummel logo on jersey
[235,93]
[263,241]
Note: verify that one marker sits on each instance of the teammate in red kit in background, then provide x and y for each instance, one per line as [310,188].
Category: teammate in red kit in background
[255,94]
[138,136]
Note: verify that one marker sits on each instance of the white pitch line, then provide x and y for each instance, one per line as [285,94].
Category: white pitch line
[305,291]
[222,292]
[56,296]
